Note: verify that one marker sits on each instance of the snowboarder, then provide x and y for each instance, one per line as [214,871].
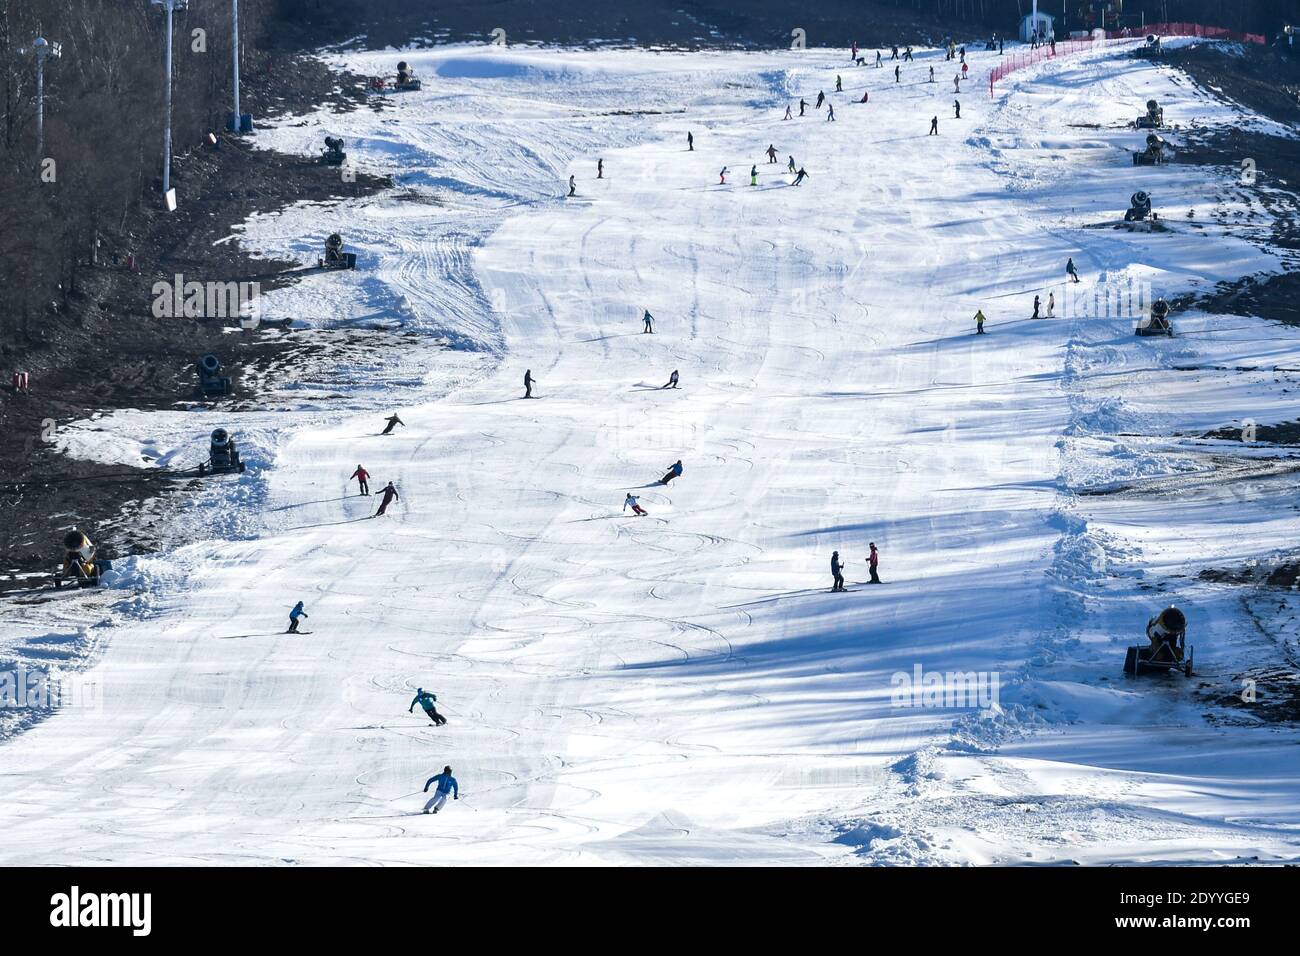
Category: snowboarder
[393,422]
[673,472]
[821,98]
[1051,305]
[800,176]
[873,560]
[722,176]
[528,383]
[649,321]
[1036,305]
[837,572]
[425,700]
[296,613]
[898,74]
[934,126]
[634,502]
[600,169]
[830,112]
[363,479]
[771,153]
[690,141]
[390,493]
[1070,270]
[956,106]
[979,322]
[803,105]
[446,785]
[573,186]
[672,381]
[753,175]
[839,84]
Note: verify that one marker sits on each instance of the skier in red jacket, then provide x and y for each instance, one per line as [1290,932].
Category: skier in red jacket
[873,560]
[363,479]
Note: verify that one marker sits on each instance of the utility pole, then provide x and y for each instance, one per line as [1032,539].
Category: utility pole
[42,49]
[234,22]
[170,6]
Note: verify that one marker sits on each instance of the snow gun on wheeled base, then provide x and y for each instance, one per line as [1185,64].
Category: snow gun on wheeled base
[1166,648]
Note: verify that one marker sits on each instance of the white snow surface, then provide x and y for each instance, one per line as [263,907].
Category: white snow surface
[681,688]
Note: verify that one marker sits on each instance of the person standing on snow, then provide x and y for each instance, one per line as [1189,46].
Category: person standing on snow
[649,321]
[956,106]
[800,176]
[878,63]
[363,479]
[690,141]
[787,112]
[964,68]
[791,166]
[528,383]
[393,422]
[771,153]
[633,502]
[1036,306]
[830,112]
[898,74]
[1070,270]
[600,169]
[932,74]
[573,186]
[837,571]
[956,83]
[934,126]
[907,54]
[895,53]
[674,472]
[979,322]
[839,84]
[1051,305]
[722,176]
[753,175]
[821,98]
[672,381]
[873,561]
[803,105]
[390,494]
[296,613]
[426,700]
[446,785]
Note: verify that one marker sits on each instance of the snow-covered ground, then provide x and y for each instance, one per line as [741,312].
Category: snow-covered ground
[681,687]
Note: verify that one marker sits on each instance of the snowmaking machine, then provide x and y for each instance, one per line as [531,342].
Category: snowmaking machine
[81,563]
[332,154]
[212,383]
[335,257]
[1154,154]
[1139,207]
[1166,648]
[1154,118]
[1157,320]
[406,79]
[223,456]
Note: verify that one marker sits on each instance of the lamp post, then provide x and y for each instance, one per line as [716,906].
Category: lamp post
[234,28]
[42,49]
[170,6]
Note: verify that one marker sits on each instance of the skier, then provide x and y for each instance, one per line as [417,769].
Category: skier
[839,84]
[425,700]
[873,560]
[672,381]
[800,176]
[753,175]
[690,141]
[649,321]
[446,785]
[907,54]
[878,63]
[363,479]
[979,322]
[1051,305]
[865,94]
[895,55]
[787,112]
[965,67]
[853,53]
[803,105]
[934,126]
[956,83]
[956,105]
[791,166]
[674,472]
[898,73]
[821,98]
[722,176]
[600,169]
[837,571]
[390,493]
[932,74]
[393,422]
[830,112]
[771,153]
[296,613]
[1070,270]
[1036,303]
[528,383]
[634,502]
[573,186]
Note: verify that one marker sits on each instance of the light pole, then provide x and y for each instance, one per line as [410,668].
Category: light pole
[170,6]
[236,123]
[43,49]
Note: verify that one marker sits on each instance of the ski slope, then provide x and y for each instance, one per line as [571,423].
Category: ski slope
[680,687]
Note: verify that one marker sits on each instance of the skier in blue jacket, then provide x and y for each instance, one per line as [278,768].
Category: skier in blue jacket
[426,700]
[446,785]
[296,613]
[674,472]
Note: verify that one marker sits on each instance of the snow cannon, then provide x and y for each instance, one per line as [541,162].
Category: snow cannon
[1157,320]
[1139,207]
[1166,648]
[1153,46]
[1154,154]
[212,384]
[223,456]
[81,563]
[333,154]
[1154,117]
[405,78]
[335,257]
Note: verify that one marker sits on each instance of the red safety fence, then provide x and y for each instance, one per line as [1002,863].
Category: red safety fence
[1063,47]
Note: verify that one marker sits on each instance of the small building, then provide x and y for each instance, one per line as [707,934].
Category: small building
[1040,23]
